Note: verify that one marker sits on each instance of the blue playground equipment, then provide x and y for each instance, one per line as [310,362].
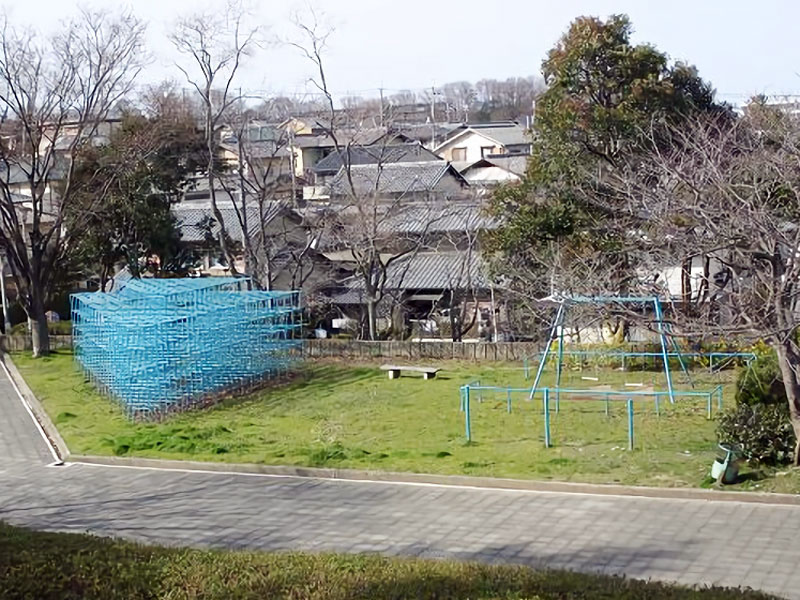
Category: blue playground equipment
[551,395]
[557,334]
[158,345]
[551,401]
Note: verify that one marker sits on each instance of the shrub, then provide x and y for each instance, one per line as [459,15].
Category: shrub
[763,431]
[761,383]
[62,566]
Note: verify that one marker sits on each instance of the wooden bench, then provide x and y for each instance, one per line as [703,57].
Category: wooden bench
[394,371]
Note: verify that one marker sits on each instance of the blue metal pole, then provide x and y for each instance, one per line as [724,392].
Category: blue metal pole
[508,399]
[630,424]
[658,409]
[466,414]
[719,397]
[546,403]
[546,352]
[708,406]
[560,364]
[664,355]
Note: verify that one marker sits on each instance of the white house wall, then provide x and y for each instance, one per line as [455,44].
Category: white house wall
[473,142]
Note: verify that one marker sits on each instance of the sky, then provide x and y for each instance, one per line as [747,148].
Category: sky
[742,47]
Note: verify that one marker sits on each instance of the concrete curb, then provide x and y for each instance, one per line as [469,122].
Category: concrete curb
[455,481]
[50,430]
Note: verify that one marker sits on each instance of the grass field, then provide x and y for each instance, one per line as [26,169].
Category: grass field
[353,416]
[58,566]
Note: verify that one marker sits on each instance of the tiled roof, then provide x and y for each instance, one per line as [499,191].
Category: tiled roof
[196,221]
[391,178]
[453,217]
[516,164]
[429,271]
[377,153]
[506,134]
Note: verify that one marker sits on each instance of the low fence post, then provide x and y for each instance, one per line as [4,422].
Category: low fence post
[606,403]
[546,403]
[630,424]
[508,399]
[708,406]
[658,408]
[468,425]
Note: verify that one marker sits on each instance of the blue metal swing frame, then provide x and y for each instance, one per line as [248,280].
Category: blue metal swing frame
[557,333]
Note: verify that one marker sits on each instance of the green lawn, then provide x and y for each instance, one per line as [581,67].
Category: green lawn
[58,566]
[353,416]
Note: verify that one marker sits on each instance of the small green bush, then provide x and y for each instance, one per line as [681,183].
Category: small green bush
[761,383]
[763,431]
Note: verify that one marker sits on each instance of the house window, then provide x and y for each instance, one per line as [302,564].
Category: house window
[486,151]
[459,154]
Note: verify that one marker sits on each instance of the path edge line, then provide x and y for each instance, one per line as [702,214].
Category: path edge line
[48,430]
[454,481]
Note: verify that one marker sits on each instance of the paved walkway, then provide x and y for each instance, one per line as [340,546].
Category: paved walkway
[690,541]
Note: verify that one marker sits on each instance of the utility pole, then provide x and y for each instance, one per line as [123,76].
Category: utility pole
[380,91]
[433,117]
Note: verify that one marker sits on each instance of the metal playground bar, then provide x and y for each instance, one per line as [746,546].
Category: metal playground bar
[551,401]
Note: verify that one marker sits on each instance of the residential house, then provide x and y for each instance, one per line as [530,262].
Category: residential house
[273,227]
[436,281]
[328,167]
[424,180]
[471,142]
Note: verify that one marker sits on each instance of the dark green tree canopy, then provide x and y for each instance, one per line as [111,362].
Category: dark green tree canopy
[602,90]
[604,96]
[145,168]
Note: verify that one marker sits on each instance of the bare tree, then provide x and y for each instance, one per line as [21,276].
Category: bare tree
[274,234]
[719,201]
[215,46]
[466,278]
[368,213]
[55,96]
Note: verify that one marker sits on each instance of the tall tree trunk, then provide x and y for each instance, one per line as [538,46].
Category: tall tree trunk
[372,320]
[40,336]
[789,362]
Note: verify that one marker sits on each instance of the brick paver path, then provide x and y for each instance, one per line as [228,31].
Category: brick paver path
[690,541]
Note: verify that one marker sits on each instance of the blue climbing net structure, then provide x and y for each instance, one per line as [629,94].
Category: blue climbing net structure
[159,345]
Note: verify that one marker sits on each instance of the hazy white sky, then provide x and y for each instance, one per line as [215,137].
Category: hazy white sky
[742,47]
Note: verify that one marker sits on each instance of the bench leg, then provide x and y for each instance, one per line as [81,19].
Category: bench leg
[429,375]
[393,374]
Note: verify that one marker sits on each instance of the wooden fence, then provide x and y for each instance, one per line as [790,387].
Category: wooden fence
[18,343]
[438,350]
[358,350]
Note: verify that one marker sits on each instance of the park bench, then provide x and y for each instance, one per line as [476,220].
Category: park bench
[394,371]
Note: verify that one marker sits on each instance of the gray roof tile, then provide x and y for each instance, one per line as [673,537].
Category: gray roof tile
[391,178]
[194,219]
[429,271]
